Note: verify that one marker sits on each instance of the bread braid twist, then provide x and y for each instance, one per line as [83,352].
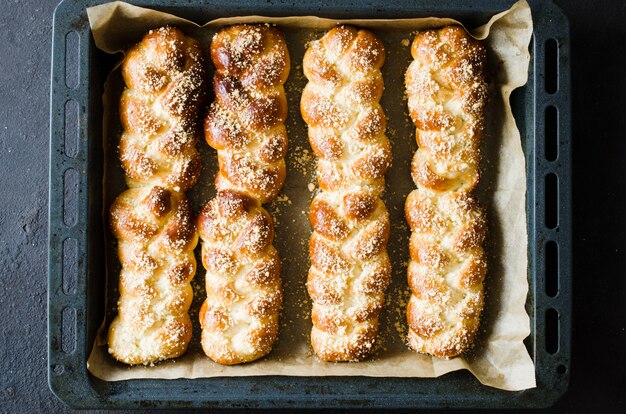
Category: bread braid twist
[246,125]
[447,95]
[350,268]
[164,76]
[246,122]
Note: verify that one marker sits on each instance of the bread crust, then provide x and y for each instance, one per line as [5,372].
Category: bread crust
[350,269]
[245,124]
[447,93]
[165,82]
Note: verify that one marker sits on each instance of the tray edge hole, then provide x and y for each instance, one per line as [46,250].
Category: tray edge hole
[561,369]
[551,135]
[552,268]
[72,126]
[551,62]
[552,331]
[72,64]
[68,330]
[551,196]
[70,266]
[70,197]
[58,369]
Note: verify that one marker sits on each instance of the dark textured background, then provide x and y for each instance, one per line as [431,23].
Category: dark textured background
[598,36]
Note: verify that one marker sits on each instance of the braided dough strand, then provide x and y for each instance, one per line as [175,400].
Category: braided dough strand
[447,95]
[350,268]
[164,76]
[246,125]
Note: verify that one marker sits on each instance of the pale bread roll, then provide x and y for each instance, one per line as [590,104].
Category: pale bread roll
[447,95]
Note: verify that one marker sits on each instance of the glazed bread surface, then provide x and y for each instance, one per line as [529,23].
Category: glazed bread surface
[350,269]
[165,82]
[245,124]
[447,93]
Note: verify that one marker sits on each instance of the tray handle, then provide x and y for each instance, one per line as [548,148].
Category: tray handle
[552,205]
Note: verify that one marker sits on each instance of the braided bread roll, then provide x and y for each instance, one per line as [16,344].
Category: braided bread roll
[165,84]
[165,80]
[447,95]
[350,268]
[245,125]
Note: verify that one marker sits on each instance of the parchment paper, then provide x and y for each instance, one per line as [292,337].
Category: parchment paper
[499,357]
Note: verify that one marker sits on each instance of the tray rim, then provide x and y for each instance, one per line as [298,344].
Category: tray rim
[79,389]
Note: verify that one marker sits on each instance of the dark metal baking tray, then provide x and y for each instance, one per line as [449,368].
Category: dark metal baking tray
[76,261]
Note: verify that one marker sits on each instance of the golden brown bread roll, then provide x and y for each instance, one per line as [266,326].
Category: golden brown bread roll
[350,268]
[447,95]
[245,125]
[165,80]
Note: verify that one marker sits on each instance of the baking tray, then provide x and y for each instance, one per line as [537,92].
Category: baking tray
[76,234]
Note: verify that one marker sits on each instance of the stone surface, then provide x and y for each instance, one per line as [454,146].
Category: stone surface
[598,61]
